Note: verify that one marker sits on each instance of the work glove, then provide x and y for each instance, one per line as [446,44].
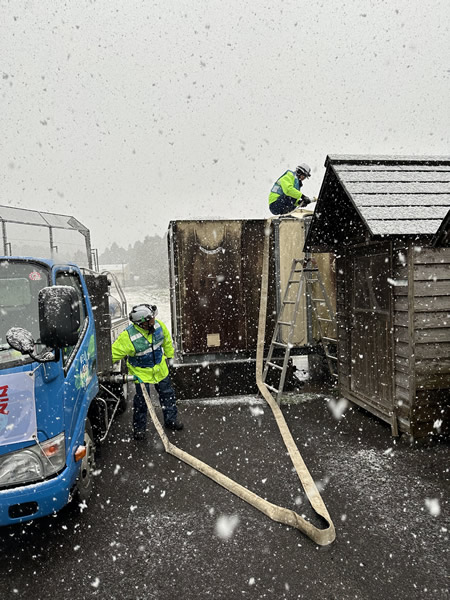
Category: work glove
[304,200]
[170,367]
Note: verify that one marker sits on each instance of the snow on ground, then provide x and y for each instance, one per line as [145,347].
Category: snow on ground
[229,401]
[372,473]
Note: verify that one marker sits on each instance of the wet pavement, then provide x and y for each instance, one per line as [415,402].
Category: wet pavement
[157,529]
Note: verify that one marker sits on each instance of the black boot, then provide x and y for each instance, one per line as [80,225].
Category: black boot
[174,425]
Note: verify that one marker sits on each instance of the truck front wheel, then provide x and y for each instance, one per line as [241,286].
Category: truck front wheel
[85,482]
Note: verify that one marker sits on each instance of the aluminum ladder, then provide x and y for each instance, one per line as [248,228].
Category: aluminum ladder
[303,275]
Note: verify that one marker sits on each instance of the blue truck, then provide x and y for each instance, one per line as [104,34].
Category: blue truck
[58,392]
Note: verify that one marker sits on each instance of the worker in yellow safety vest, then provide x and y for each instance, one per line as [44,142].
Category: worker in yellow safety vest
[285,195]
[146,344]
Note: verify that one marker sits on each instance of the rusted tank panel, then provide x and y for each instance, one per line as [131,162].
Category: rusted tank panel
[215,285]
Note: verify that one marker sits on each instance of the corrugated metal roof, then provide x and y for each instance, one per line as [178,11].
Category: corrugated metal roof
[396,195]
[26,216]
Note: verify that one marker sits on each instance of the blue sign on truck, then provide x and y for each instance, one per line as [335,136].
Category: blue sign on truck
[58,392]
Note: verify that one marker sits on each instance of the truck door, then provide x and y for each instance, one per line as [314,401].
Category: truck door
[78,360]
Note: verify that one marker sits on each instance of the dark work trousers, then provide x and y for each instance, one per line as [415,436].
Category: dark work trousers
[283,205]
[166,399]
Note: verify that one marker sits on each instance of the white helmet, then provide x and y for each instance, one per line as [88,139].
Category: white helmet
[303,169]
[142,313]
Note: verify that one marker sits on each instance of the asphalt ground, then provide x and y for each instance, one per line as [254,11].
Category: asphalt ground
[157,529]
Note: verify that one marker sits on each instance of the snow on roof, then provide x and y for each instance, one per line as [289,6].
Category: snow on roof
[391,195]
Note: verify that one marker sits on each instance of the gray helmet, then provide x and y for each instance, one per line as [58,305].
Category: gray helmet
[142,313]
[303,169]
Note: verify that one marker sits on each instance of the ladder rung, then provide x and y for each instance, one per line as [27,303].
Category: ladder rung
[308,273]
[274,365]
[269,387]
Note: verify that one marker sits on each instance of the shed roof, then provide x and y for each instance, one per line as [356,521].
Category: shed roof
[442,237]
[383,195]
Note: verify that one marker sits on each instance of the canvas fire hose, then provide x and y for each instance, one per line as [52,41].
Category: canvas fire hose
[322,537]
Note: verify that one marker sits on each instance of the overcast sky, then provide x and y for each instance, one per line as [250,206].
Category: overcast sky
[129,114]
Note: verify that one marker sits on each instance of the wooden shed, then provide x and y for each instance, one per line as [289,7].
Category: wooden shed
[387,219]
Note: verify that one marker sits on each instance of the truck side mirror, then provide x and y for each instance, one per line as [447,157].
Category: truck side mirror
[59,316]
[20,339]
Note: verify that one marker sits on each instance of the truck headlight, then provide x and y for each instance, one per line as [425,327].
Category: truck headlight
[33,463]
[20,467]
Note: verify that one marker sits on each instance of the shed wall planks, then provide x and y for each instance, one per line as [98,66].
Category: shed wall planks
[403,203]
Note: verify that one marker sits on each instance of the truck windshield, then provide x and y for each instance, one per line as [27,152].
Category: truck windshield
[20,283]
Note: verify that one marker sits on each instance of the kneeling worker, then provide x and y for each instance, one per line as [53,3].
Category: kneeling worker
[146,344]
[285,195]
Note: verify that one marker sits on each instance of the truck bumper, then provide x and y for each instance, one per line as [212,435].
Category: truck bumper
[37,499]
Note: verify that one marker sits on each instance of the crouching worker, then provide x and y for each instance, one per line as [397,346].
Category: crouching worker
[146,344]
[285,195]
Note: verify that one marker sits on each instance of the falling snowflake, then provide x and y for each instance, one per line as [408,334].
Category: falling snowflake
[437,424]
[433,506]
[321,484]
[256,411]
[226,525]
[337,408]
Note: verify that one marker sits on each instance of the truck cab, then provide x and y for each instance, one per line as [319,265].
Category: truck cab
[55,365]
